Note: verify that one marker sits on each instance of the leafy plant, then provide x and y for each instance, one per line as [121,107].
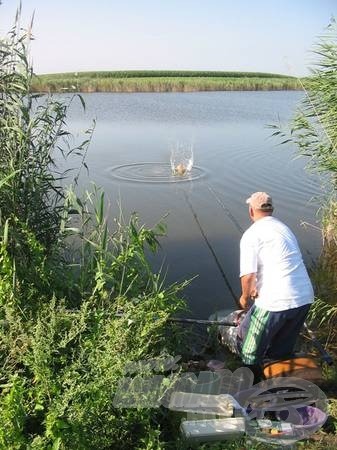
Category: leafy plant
[77,302]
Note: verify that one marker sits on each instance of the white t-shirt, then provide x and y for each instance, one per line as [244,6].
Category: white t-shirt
[269,249]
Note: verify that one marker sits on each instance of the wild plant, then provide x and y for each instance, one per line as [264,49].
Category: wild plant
[33,138]
[77,302]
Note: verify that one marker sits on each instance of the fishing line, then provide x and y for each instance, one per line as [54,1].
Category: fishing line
[217,262]
[224,207]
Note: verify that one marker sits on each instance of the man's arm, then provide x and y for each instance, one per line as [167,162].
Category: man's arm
[248,286]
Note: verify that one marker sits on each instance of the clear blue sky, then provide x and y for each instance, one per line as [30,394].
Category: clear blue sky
[267,36]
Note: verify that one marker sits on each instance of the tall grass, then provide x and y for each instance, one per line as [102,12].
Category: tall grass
[166,74]
[314,132]
[156,81]
[77,301]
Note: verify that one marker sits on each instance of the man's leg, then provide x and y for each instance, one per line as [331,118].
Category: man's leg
[283,342]
[251,335]
[271,333]
[253,339]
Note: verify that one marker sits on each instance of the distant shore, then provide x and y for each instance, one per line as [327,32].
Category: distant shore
[162,81]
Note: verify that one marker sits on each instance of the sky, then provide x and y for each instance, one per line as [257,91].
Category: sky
[274,36]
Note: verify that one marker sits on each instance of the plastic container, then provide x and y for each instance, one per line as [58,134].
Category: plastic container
[301,425]
[309,420]
[222,404]
[213,429]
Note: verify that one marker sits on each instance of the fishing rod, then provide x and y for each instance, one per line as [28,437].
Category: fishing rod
[310,334]
[217,262]
[203,322]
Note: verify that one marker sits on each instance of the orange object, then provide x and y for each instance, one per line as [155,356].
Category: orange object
[300,367]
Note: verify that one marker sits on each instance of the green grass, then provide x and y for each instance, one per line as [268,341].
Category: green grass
[161,81]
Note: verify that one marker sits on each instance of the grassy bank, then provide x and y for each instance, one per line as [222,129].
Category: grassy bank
[160,81]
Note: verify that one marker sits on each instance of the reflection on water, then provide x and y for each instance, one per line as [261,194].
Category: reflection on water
[233,156]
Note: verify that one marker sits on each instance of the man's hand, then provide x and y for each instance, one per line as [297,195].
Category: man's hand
[244,302]
[249,292]
[254,294]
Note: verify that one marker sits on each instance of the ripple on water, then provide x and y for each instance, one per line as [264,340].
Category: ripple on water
[153,172]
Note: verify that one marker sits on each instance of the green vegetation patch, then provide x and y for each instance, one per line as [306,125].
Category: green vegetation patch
[165,74]
[161,81]
[78,302]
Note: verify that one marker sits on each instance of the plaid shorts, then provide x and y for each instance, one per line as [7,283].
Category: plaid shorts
[269,334]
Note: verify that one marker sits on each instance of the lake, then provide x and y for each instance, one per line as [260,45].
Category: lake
[234,155]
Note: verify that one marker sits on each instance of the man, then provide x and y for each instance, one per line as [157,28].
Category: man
[274,277]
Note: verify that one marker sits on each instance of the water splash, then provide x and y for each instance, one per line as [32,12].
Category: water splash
[154,172]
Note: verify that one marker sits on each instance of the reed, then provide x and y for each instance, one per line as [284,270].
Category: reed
[161,82]
[314,132]
[166,74]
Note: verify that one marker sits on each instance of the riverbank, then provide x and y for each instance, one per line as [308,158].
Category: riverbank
[162,81]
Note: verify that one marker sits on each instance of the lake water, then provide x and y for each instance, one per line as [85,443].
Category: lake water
[234,156]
